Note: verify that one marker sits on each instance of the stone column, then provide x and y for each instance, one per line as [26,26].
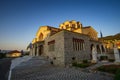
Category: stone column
[37,50]
[116,54]
[94,55]
[33,51]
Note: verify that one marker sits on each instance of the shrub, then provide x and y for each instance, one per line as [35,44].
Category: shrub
[103,57]
[81,65]
[85,61]
[109,68]
[74,64]
[117,75]
[111,60]
[101,68]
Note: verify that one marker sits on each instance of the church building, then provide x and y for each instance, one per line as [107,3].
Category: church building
[70,42]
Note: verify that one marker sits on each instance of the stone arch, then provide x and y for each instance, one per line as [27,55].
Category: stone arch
[40,50]
[67,24]
[73,25]
[91,47]
[62,26]
[40,36]
[79,25]
[103,50]
[35,50]
[98,48]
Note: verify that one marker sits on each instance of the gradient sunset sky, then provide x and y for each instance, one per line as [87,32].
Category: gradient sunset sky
[20,19]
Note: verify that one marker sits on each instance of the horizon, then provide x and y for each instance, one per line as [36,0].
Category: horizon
[21,19]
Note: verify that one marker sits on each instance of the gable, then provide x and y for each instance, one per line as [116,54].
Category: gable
[42,33]
[91,32]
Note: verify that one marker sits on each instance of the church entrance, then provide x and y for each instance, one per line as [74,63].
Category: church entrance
[91,47]
[40,50]
[35,51]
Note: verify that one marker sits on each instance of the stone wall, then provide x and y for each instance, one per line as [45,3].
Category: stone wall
[111,56]
[57,56]
[70,53]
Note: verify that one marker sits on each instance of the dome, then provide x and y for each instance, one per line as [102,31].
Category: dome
[70,25]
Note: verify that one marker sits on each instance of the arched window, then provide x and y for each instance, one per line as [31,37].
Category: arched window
[73,25]
[98,48]
[67,26]
[103,50]
[91,47]
[62,27]
[40,37]
[78,44]
[51,45]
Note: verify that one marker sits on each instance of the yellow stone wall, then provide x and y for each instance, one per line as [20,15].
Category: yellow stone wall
[91,32]
[110,43]
[44,31]
[34,40]
[41,34]
[74,26]
[78,28]
[71,26]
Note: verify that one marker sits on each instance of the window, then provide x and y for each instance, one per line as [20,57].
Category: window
[41,37]
[51,45]
[73,25]
[103,50]
[67,26]
[62,27]
[78,44]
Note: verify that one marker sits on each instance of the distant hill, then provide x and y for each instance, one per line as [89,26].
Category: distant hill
[112,37]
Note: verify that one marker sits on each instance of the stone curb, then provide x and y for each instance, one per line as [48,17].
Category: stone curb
[15,62]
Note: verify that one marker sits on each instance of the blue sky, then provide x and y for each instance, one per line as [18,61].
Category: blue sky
[20,19]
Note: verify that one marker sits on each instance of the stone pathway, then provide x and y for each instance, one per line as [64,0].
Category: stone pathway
[4,68]
[99,64]
[40,69]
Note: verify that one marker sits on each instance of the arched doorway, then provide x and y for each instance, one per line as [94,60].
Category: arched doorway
[103,50]
[40,50]
[35,50]
[98,49]
[91,47]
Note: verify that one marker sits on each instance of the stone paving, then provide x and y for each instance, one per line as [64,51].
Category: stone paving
[40,69]
[99,64]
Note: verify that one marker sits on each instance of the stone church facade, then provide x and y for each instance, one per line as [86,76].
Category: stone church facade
[71,41]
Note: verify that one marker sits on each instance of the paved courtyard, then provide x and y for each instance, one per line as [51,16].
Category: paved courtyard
[4,68]
[38,68]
